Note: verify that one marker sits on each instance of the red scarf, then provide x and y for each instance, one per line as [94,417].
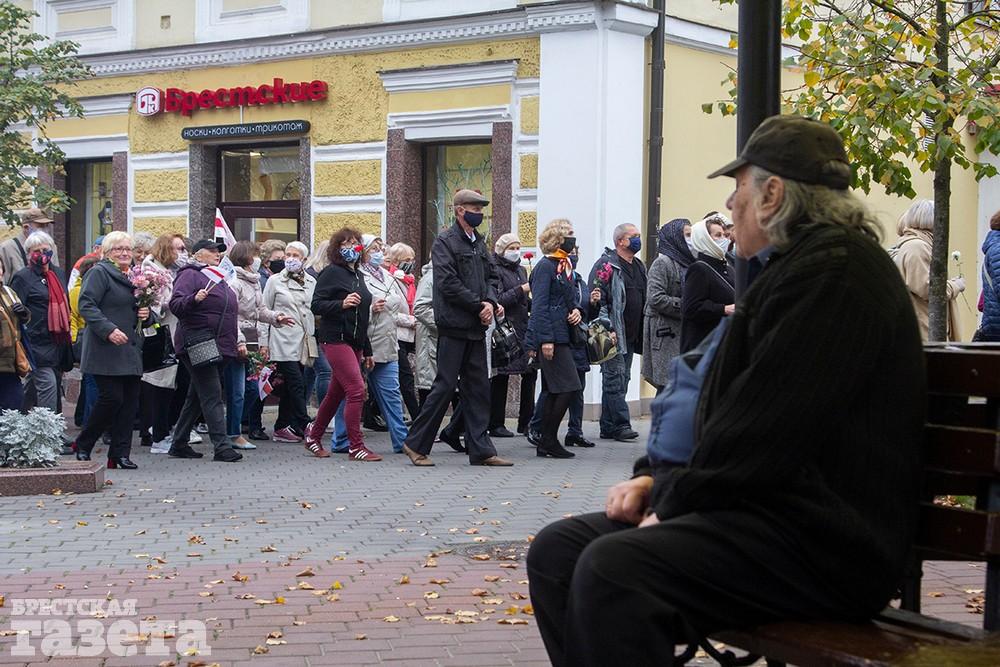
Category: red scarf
[58,308]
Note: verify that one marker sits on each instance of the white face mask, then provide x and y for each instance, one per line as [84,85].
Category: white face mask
[293,265]
[256,264]
[690,244]
[183,258]
[723,243]
[512,255]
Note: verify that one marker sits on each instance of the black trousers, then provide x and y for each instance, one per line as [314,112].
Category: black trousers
[498,399]
[292,405]
[607,593]
[181,385]
[204,397]
[154,410]
[407,385]
[461,363]
[114,411]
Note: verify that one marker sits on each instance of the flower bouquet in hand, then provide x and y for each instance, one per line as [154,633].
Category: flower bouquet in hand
[149,286]
[602,278]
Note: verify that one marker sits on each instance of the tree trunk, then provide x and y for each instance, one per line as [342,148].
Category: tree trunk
[938,295]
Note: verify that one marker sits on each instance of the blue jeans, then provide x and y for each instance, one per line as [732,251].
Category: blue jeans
[89,396]
[616,373]
[234,374]
[317,377]
[383,380]
[575,409]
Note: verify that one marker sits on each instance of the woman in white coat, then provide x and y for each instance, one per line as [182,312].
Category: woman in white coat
[292,346]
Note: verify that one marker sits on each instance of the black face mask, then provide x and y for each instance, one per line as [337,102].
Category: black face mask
[568,244]
[406,267]
[276,265]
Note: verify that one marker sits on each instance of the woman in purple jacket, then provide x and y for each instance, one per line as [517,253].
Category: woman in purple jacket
[206,308]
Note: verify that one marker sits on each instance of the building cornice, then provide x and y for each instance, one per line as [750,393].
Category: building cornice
[449,76]
[504,24]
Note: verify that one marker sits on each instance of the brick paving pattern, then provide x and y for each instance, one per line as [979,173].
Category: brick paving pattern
[334,562]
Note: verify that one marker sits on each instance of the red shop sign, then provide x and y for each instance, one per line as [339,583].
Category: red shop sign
[150,101]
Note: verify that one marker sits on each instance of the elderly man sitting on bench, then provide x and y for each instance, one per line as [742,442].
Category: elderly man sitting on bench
[785,485]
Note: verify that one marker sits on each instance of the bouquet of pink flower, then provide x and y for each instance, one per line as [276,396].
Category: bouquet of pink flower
[150,286]
[602,278]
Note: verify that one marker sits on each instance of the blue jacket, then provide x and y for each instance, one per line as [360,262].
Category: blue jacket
[552,298]
[990,326]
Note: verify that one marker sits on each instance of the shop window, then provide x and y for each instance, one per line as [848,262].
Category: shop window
[90,216]
[260,191]
[447,169]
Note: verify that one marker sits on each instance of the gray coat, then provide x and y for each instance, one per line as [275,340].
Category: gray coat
[661,339]
[427,333]
[107,302]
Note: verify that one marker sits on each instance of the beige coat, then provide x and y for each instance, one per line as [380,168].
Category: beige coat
[293,342]
[382,325]
[425,366]
[912,256]
[254,318]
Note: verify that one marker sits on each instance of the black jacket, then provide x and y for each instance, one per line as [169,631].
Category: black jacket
[707,290]
[34,294]
[463,279]
[516,305]
[810,421]
[336,324]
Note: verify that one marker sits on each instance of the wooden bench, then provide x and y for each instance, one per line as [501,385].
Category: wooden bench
[961,457]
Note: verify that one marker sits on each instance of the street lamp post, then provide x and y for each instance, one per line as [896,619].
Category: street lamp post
[758,93]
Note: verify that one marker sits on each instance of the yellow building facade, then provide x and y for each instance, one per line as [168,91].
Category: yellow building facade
[297,117]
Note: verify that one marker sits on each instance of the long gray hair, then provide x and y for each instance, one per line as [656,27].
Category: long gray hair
[813,203]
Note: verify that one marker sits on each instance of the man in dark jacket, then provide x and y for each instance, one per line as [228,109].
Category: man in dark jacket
[465,303]
[798,500]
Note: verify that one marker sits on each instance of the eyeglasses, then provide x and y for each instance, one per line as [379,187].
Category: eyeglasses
[121,249]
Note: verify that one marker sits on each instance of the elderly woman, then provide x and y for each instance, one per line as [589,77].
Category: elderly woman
[555,313]
[343,303]
[39,286]
[388,304]
[12,314]
[254,319]
[142,245]
[661,340]
[317,376]
[513,294]
[290,347]
[112,351]
[707,295]
[912,256]
[206,309]
[401,258]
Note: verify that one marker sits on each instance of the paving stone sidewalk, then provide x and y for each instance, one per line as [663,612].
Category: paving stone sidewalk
[339,562]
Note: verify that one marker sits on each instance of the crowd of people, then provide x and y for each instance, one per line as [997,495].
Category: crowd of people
[376,342]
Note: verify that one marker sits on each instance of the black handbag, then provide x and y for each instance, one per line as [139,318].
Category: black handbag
[202,346]
[504,345]
[157,349]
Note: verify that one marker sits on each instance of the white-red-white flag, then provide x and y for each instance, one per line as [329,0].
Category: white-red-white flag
[213,274]
[264,387]
[222,232]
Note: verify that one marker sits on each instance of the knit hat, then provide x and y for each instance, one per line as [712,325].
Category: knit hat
[505,241]
[368,239]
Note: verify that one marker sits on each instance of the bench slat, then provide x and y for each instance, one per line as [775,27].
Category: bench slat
[947,483]
[964,533]
[968,450]
[972,370]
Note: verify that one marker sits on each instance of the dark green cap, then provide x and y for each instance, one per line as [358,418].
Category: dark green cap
[796,148]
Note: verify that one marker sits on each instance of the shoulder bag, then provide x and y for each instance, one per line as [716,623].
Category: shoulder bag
[202,346]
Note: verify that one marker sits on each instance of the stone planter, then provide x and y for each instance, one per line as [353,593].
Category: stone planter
[68,476]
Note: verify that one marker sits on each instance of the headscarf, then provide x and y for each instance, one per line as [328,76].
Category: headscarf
[703,241]
[671,242]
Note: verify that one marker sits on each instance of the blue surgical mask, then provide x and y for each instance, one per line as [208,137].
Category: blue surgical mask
[350,255]
[376,258]
[473,219]
[635,244]
[573,259]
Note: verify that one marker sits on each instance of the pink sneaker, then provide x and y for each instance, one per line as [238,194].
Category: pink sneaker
[286,435]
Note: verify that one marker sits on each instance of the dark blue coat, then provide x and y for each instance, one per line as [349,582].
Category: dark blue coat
[990,326]
[553,296]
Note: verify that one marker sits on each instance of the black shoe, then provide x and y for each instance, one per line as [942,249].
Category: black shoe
[501,432]
[452,442]
[578,441]
[185,452]
[67,450]
[625,435]
[534,438]
[146,442]
[228,456]
[376,423]
[258,434]
[123,462]
[553,449]
[106,439]
[82,456]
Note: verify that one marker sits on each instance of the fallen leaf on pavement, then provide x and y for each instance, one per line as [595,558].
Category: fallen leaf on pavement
[140,532]
[261,650]
[480,557]
[509,566]
[480,592]
[528,609]
[935,594]
[305,586]
[518,596]
[308,572]
[275,634]
[246,596]
[471,531]
[391,619]
[431,595]
[491,578]
[270,548]
[336,586]
[430,562]
[467,614]
[405,579]
[242,578]
[360,636]
[512,621]
[493,601]
[332,598]
[439,582]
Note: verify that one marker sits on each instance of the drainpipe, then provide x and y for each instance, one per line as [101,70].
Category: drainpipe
[655,147]
[758,93]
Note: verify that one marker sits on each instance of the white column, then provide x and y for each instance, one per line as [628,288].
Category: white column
[591,116]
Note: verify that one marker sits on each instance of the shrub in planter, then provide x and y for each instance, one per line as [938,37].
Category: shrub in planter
[31,440]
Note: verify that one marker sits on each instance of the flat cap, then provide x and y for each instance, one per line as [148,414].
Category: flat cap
[466,196]
[35,215]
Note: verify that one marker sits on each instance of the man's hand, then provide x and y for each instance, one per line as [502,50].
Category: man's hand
[352,300]
[201,295]
[526,288]
[574,317]
[143,314]
[650,520]
[500,312]
[117,337]
[369,363]
[730,309]
[548,350]
[486,314]
[627,501]
[595,296]
[241,351]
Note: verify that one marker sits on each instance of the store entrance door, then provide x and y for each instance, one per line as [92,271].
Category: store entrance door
[259,193]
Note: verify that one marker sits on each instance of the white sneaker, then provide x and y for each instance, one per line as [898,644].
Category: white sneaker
[161,447]
[194,438]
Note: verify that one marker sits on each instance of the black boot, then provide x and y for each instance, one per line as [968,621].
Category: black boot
[556,406]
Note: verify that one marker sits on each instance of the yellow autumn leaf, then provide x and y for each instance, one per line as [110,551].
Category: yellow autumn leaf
[811,77]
